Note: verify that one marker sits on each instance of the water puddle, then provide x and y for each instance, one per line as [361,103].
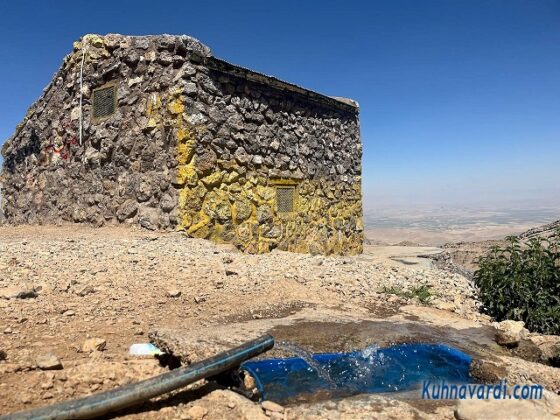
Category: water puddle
[397,368]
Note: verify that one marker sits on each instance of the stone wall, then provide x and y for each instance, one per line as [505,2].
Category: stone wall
[195,144]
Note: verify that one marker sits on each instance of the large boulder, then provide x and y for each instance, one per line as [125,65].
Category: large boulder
[509,333]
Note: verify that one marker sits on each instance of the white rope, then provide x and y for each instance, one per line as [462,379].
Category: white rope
[81,91]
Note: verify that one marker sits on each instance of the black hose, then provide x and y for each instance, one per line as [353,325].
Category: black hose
[132,394]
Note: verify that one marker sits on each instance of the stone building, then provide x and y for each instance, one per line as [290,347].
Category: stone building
[157,131]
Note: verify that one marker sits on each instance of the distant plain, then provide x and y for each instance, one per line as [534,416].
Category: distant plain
[438,225]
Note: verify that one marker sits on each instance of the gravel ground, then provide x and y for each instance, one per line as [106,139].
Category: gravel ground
[66,288]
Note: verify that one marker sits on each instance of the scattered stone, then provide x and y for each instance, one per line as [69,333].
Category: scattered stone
[196,412]
[48,384]
[94,344]
[84,290]
[47,396]
[509,333]
[25,398]
[48,361]
[13,292]
[249,382]
[272,407]
[174,293]
[69,313]
[444,306]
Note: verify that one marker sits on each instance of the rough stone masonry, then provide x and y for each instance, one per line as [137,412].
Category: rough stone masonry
[175,138]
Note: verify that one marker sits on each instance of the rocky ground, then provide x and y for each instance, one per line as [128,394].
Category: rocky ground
[73,299]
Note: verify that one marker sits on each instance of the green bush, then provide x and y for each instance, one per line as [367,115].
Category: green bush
[522,282]
[423,293]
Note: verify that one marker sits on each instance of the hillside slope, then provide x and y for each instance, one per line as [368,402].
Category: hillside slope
[462,256]
[544,231]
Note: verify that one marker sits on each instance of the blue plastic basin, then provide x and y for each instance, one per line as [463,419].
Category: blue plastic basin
[398,368]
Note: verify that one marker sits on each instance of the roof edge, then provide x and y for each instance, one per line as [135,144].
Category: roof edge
[223,66]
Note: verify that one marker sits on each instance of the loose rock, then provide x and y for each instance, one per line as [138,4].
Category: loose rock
[272,406]
[94,344]
[197,412]
[174,293]
[48,361]
[17,293]
[84,290]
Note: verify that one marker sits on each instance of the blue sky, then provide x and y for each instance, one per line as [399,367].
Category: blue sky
[460,100]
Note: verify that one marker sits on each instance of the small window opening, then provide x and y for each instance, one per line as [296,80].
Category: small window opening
[285,198]
[104,101]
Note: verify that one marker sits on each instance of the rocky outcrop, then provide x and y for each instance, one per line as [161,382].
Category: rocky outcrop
[516,371]
[462,257]
[194,143]
[512,409]
[509,333]
[542,231]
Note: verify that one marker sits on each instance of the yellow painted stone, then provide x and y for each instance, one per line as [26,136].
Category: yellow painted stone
[184,135]
[186,151]
[185,222]
[152,123]
[231,177]
[176,107]
[266,193]
[94,40]
[190,199]
[212,180]
[223,206]
[200,229]
[263,247]
[186,175]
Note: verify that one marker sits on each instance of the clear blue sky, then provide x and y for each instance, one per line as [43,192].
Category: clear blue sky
[460,100]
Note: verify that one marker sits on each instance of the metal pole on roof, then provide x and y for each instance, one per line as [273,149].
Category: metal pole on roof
[81,89]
